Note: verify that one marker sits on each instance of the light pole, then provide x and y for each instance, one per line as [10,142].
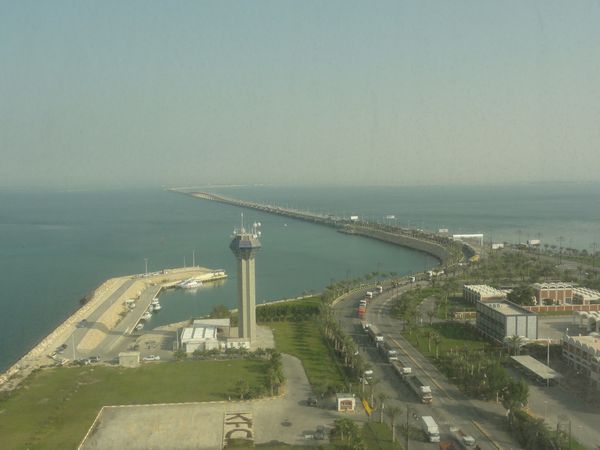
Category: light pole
[146,264]
[548,363]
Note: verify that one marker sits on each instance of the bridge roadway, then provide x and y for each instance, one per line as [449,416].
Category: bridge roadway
[483,420]
[413,239]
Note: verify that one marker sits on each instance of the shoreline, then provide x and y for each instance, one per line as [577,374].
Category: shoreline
[38,356]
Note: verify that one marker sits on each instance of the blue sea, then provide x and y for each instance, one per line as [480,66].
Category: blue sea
[55,247]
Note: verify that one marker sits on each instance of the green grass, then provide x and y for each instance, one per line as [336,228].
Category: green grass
[304,340]
[378,436]
[454,335]
[54,408]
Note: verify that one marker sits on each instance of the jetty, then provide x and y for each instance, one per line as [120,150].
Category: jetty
[443,248]
[102,326]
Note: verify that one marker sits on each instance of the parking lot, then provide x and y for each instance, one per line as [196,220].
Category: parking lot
[286,419]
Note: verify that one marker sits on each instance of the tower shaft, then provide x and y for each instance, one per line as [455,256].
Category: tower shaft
[246,298]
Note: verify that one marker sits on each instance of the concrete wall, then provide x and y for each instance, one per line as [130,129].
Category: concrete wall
[436,250]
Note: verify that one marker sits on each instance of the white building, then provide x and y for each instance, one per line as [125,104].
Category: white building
[591,319]
[210,334]
[585,296]
[502,319]
[583,354]
[482,293]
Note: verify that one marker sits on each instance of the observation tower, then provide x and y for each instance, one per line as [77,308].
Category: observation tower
[245,245]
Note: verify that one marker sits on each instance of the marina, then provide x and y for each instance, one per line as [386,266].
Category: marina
[102,325]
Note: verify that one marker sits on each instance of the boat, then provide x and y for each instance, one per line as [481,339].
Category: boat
[151,308]
[146,315]
[190,283]
[139,326]
[155,301]
[157,307]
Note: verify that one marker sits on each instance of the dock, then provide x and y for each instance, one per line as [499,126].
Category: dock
[99,327]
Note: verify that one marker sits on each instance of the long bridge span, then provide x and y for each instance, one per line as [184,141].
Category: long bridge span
[440,247]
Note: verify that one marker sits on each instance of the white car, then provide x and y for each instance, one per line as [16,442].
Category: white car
[152,358]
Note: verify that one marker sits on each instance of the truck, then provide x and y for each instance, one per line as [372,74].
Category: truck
[465,441]
[422,390]
[379,289]
[361,312]
[369,294]
[401,368]
[375,335]
[430,428]
[388,352]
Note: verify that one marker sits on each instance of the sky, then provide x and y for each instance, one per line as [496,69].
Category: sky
[126,93]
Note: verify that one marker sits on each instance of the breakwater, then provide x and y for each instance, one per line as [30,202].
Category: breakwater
[440,247]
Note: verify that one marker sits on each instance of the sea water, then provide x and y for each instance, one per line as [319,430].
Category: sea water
[55,247]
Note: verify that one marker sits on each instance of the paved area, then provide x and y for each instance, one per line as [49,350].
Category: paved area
[201,425]
[554,327]
[484,420]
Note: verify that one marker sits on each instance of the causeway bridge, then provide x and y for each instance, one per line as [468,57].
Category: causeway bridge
[443,248]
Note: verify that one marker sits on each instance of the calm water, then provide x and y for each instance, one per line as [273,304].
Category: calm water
[57,246]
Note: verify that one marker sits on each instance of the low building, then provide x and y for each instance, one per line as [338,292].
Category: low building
[211,334]
[585,296]
[482,293]
[557,293]
[583,354]
[589,319]
[499,320]
[129,359]
[346,402]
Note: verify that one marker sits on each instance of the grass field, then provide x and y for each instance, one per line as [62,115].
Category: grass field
[54,408]
[303,340]
[454,335]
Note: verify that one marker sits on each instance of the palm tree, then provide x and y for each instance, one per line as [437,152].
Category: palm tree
[515,343]
[437,340]
[382,397]
[393,412]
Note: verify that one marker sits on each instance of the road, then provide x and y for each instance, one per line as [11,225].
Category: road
[483,420]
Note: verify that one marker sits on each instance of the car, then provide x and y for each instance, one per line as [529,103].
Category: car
[312,401]
[151,358]
[61,348]
[94,359]
[81,324]
[320,433]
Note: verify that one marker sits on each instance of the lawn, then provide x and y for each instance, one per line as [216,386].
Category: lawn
[304,340]
[54,408]
[378,436]
[454,335]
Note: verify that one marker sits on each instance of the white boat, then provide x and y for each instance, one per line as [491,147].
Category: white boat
[157,307]
[190,283]
[146,315]
[139,326]
[155,301]
[150,308]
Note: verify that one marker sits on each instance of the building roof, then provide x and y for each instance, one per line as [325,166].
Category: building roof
[507,308]
[586,293]
[199,333]
[540,369]
[552,286]
[484,290]
[590,344]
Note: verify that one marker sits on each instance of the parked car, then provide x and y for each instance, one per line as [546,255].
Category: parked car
[151,358]
[94,359]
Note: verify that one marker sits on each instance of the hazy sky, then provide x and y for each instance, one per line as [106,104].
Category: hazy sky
[401,92]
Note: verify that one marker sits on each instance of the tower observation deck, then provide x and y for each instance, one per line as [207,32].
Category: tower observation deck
[245,245]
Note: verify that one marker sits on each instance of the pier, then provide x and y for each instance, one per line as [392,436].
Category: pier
[440,247]
[102,326]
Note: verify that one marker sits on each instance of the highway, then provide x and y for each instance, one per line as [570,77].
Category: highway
[483,420]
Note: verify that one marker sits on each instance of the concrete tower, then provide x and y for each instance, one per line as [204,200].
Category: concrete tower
[244,246]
